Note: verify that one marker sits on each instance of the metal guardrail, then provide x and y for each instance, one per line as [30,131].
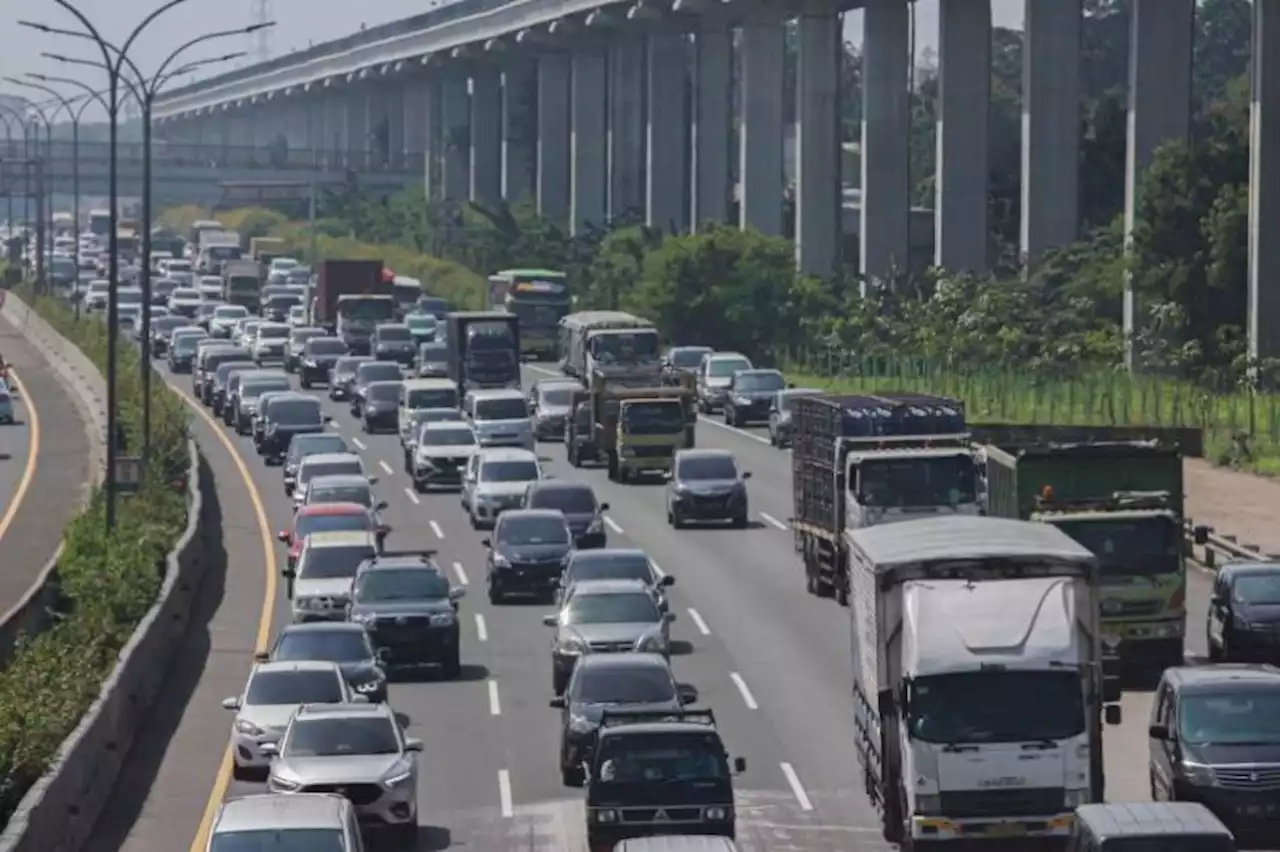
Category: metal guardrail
[223,156]
[1211,548]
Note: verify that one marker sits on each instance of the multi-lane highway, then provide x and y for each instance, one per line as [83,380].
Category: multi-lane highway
[771,661]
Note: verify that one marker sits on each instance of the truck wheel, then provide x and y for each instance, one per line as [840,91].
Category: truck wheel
[842,590]
[613,467]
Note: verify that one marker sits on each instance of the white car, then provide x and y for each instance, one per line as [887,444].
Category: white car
[95,296]
[441,454]
[269,342]
[271,696]
[225,318]
[185,301]
[495,481]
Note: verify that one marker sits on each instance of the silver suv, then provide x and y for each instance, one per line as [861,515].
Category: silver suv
[359,750]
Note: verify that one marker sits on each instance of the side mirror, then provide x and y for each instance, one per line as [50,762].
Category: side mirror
[380,506]
[739,765]
[359,698]
[373,480]
[1158,732]
[231,703]
[283,536]
[746,474]
[669,617]
[289,572]
[557,702]
[667,581]
[486,542]
[328,418]
[688,693]
[412,744]
[604,507]
[457,593]
[269,749]
[261,657]
[549,620]
[1111,714]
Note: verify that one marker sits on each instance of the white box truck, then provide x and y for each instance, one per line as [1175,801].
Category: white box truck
[978,680]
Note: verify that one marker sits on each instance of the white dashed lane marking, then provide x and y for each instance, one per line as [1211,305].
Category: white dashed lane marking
[772,520]
[385,467]
[698,622]
[495,705]
[359,444]
[482,629]
[408,492]
[613,525]
[462,575]
[797,789]
[744,691]
[435,528]
[504,793]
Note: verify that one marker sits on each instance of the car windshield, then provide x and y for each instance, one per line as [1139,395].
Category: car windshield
[385,392]
[345,522]
[394,335]
[393,584]
[1132,546]
[360,494]
[687,359]
[421,322]
[669,757]
[628,685]
[1257,589]
[433,353]
[616,608]
[312,445]
[349,365]
[723,368]
[330,468]
[558,397]
[571,500]
[586,566]
[294,687]
[707,467]
[230,312]
[339,737]
[273,332]
[129,296]
[280,840]
[656,417]
[1169,843]
[384,372]
[255,389]
[295,412]
[531,530]
[331,563]
[1230,718]
[920,481]
[187,342]
[326,346]
[759,382]
[509,471]
[432,398]
[509,408]
[184,293]
[452,437]
[996,707]
[330,646]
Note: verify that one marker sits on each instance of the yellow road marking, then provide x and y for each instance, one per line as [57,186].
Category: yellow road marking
[223,779]
[33,452]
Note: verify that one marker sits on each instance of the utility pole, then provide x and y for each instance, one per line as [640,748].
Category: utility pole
[262,15]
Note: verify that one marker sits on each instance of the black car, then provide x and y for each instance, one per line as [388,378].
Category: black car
[1214,739]
[231,397]
[249,395]
[319,356]
[685,359]
[181,353]
[1243,622]
[706,485]
[296,348]
[338,642]
[611,681]
[259,422]
[577,502]
[310,444]
[615,564]
[527,553]
[162,329]
[750,396]
[432,360]
[286,416]
[342,375]
[276,308]
[394,342]
[380,408]
[410,611]
[366,374]
[203,382]
[221,378]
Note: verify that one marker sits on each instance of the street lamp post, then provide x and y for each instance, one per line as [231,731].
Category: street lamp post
[43,223]
[8,147]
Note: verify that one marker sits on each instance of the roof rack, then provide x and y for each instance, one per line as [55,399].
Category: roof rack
[616,718]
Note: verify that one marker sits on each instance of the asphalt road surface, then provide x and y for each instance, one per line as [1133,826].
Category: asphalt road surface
[771,661]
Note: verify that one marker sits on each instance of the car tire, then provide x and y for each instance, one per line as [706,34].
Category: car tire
[405,835]
[496,597]
[452,667]
[241,773]
[740,522]
[673,518]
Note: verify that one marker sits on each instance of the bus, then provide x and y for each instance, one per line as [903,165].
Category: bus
[539,298]
[100,224]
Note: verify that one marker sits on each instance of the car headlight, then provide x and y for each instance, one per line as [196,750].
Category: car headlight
[716,813]
[652,644]
[247,728]
[306,603]
[1199,774]
[607,816]
[399,778]
[500,561]
[571,647]
[310,362]
[368,686]
[597,525]
[443,619]
[741,400]
[363,617]
[581,724]
[282,785]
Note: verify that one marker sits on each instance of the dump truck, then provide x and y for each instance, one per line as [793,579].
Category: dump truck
[1123,500]
[637,427]
[350,300]
[610,342]
[484,349]
[866,460]
[980,681]
[241,285]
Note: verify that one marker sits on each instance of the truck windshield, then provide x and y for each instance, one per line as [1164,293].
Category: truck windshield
[513,408]
[653,418]
[625,347]
[489,336]
[662,758]
[242,283]
[367,309]
[1128,546]
[996,707]
[920,481]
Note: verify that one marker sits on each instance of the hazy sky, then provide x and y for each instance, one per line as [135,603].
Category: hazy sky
[299,23]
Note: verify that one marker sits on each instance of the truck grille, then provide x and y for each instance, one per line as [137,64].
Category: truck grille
[357,794]
[1029,801]
[1248,777]
[1134,608]
[647,815]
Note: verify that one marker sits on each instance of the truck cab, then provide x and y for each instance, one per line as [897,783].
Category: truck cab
[902,479]
[663,772]
[637,425]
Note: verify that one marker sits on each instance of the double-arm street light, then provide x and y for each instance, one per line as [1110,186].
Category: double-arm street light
[43,169]
[8,149]
[10,116]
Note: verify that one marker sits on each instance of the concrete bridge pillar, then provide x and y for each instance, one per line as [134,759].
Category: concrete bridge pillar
[667,133]
[486,135]
[266,123]
[553,136]
[886,128]
[393,110]
[414,97]
[1264,183]
[964,103]
[519,131]
[819,212]
[761,167]
[626,127]
[589,160]
[713,121]
[433,139]
[1161,39]
[1050,126]
[455,129]
[355,139]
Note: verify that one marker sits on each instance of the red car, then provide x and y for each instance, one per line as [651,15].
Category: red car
[329,517]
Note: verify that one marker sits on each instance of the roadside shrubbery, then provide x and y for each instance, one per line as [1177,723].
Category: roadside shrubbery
[107,582]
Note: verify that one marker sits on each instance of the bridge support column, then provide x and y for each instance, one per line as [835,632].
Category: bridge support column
[964,103]
[589,187]
[761,166]
[335,130]
[355,140]
[626,127]
[265,125]
[393,109]
[433,158]
[486,135]
[1264,183]
[553,136]
[1050,126]
[519,131]
[455,119]
[886,126]
[414,97]
[819,214]
[713,122]
[1161,38]
[667,134]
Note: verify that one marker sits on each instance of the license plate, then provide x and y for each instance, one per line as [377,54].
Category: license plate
[1005,829]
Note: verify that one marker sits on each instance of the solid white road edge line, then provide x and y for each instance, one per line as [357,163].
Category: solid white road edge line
[482,630]
[747,697]
[385,467]
[408,492]
[495,706]
[772,520]
[613,525]
[504,793]
[462,575]
[797,789]
[359,444]
[699,622]
[435,528]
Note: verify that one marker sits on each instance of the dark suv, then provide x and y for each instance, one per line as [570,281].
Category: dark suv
[410,610]
[750,396]
[1243,621]
[319,354]
[285,415]
[577,501]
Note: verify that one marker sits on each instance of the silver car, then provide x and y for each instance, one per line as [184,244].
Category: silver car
[225,318]
[269,343]
[441,453]
[272,694]
[360,750]
[715,374]
[549,404]
[495,480]
[500,417]
[321,583]
[277,821]
[325,464]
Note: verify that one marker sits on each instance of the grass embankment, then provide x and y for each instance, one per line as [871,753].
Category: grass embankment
[107,581]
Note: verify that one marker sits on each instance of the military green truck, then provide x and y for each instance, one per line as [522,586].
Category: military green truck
[1120,498]
[638,424]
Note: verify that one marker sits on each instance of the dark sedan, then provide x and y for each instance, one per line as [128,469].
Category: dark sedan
[221,378]
[285,416]
[342,375]
[366,374]
[527,553]
[750,396]
[577,502]
[338,642]
[162,329]
[410,611]
[706,485]
[394,342]
[320,355]
[182,349]
[1243,622]
[381,407]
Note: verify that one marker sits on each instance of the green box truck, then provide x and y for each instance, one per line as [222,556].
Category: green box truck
[1123,500]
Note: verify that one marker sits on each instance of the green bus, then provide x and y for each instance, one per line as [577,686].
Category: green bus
[539,298]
